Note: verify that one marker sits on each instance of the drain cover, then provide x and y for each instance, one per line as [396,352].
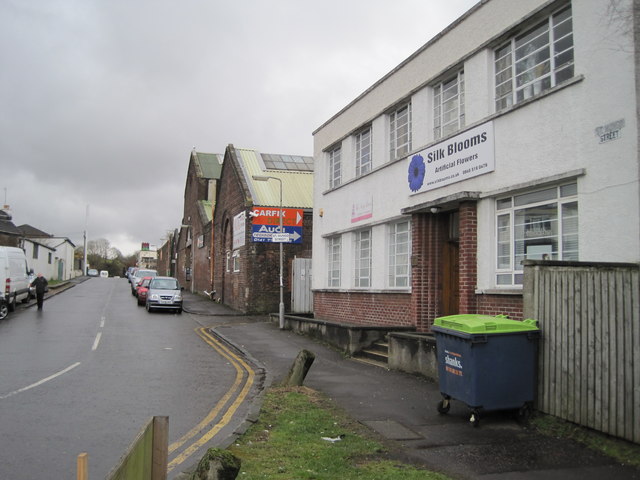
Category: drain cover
[392,430]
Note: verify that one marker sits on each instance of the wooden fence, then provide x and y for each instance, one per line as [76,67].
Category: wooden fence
[589,358]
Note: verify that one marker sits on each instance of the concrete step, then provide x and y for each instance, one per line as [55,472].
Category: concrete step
[377,354]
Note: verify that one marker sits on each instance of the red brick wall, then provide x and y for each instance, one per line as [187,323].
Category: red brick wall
[364,308]
[510,305]
[468,271]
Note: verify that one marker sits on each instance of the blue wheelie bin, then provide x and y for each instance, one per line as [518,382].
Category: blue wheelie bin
[489,363]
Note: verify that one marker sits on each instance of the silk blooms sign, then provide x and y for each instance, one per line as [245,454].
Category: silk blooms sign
[461,157]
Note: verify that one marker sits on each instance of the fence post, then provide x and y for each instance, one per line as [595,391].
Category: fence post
[83,467]
[160,448]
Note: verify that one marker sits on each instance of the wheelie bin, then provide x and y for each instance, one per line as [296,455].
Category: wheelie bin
[489,363]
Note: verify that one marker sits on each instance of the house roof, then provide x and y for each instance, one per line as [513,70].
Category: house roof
[297,184]
[7,226]
[207,165]
[30,231]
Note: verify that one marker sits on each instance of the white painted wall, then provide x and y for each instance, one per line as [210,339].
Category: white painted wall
[550,136]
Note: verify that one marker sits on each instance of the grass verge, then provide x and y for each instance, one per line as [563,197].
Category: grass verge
[287,443]
[624,452]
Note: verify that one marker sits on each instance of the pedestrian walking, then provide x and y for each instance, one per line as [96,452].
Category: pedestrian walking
[40,283]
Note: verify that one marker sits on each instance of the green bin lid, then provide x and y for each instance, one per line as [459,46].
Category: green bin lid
[483,324]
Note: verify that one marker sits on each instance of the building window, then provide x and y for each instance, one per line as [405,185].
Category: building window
[535,61]
[228,265]
[35,251]
[363,152]
[50,258]
[363,259]
[400,131]
[539,225]
[448,106]
[335,261]
[399,248]
[236,261]
[335,168]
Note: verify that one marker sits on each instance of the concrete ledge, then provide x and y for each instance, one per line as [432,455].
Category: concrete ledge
[413,353]
[347,337]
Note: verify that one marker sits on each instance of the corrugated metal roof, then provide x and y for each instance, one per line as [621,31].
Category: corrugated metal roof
[205,211]
[209,164]
[297,186]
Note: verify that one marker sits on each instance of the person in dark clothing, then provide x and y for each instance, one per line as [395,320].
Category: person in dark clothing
[40,284]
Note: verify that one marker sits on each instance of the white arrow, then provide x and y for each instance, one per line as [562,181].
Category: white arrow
[298,218]
[295,236]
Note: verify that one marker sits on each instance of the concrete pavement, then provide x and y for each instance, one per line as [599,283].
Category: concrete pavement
[402,409]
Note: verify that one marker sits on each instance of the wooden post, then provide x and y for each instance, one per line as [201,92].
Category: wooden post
[83,467]
[160,448]
[299,369]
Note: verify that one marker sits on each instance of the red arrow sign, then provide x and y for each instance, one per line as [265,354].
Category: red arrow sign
[291,217]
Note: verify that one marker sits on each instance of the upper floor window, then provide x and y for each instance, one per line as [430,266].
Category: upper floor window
[400,131]
[538,225]
[335,168]
[363,152]
[535,61]
[334,257]
[363,259]
[448,106]
[35,251]
[399,247]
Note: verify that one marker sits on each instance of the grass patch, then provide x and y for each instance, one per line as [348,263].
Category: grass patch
[286,443]
[624,452]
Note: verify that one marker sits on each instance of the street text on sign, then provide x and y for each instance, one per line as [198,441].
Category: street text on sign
[291,217]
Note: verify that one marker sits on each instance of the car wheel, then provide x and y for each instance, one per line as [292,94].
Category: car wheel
[4,310]
[148,308]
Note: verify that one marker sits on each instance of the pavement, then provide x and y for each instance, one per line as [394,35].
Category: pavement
[401,408]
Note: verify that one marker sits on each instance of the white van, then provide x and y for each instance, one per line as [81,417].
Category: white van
[14,276]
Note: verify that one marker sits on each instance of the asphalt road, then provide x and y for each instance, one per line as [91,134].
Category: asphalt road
[88,372]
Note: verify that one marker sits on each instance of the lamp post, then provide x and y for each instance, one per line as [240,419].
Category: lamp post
[264,178]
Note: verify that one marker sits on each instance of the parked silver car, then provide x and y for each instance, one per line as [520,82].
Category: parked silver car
[164,293]
[138,276]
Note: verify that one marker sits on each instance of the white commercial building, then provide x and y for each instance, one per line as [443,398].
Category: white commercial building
[511,135]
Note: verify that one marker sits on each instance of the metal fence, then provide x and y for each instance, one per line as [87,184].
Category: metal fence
[589,359]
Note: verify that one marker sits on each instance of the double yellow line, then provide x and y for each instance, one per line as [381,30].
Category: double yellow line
[224,409]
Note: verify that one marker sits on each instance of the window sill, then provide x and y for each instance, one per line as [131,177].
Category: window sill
[500,291]
[361,290]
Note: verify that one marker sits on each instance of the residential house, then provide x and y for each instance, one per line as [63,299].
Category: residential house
[48,254]
[247,214]
[194,255]
[511,135]
[10,235]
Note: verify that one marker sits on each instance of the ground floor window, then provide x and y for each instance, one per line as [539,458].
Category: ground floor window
[236,261]
[362,272]
[334,255]
[538,225]
[399,248]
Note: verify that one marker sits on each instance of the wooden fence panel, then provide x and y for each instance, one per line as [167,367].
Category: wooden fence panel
[589,359]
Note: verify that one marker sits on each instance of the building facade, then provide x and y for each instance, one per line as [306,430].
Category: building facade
[194,254]
[511,135]
[247,263]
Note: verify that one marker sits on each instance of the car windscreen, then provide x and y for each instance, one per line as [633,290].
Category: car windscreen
[146,273]
[164,284]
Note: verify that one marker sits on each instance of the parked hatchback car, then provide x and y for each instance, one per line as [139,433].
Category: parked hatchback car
[138,276]
[142,290]
[164,293]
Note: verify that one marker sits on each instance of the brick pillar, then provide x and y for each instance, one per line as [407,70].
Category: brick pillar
[426,231]
[468,257]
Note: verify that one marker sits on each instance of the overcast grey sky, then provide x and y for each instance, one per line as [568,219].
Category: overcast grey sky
[103,100]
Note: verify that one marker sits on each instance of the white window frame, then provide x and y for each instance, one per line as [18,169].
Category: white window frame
[535,61]
[399,255]
[448,106]
[335,167]
[334,261]
[509,272]
[228,264]
[363,143]
[362,256]
[236,261]
[400,131]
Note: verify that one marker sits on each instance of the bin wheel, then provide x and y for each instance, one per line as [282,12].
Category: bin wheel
[524,414]
[444,406]
[475,418]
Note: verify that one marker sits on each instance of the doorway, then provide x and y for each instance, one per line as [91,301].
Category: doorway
[451,265]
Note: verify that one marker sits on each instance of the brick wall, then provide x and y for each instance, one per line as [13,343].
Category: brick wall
[468,261]
[364,308]
[510,305]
